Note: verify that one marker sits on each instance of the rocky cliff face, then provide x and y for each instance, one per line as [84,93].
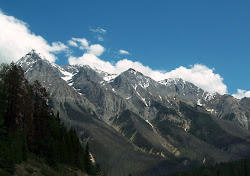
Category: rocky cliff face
[137,125]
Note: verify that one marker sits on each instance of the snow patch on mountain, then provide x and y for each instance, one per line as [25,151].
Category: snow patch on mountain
[135,86]
[171,81]
[144,83]
[160,97]
[67,75]
[210,110]
[108,77]
[25,61]
[209,96]
[199,102]
[132,71]
[143,99]
[149,123]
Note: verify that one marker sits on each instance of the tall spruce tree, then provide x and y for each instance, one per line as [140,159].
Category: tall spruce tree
[13,80]
[3,106]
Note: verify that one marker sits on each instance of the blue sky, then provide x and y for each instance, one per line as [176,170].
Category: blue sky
[162,35]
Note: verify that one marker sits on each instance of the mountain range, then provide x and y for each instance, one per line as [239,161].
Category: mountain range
[137,125]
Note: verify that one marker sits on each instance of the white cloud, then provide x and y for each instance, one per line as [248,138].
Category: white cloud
[99,30]
[72,43]
[100,38]
[82,41]
[57,47]
[95,49]
[200,75]
[91,60]
[123,52]
[16,40]
[241,94]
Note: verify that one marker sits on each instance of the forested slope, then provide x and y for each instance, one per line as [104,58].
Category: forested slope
[29,127]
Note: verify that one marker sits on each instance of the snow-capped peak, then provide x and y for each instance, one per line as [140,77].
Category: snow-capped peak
[31,58]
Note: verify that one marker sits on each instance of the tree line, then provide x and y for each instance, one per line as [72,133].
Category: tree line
[28,126]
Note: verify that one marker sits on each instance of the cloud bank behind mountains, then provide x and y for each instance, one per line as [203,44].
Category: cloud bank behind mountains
[241,94]
[200,75]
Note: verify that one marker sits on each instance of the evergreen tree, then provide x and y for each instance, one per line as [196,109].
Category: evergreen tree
[13,81]
[51,156]
[40,118]
[6,162]
[24,148]
[3,106]
[245,168]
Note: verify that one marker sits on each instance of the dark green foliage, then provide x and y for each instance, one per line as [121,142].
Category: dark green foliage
[24,149]
[99,171]
[27,125]
[3,106]
[236,168]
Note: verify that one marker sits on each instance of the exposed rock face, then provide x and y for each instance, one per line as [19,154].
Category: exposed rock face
[235,110]
[137,125]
